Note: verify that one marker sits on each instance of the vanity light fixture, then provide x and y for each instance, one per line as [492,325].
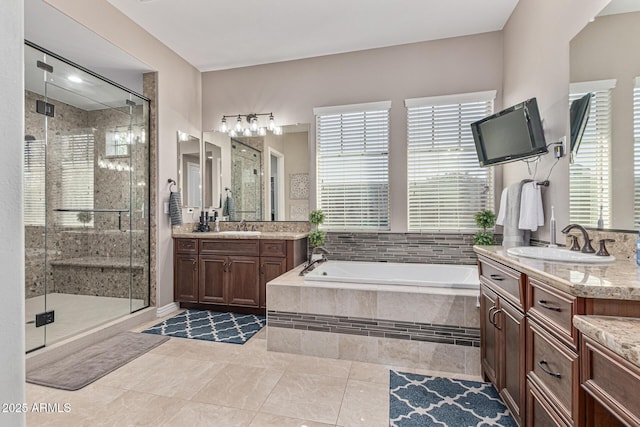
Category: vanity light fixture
[252,126]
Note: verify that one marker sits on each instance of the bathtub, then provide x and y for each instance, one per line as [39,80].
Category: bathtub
[387,273]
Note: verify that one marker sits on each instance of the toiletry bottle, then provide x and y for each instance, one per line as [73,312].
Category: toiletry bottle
[552,230]
[600,220]
[638,249]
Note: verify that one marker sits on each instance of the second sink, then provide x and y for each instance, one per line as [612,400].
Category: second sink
[559,255]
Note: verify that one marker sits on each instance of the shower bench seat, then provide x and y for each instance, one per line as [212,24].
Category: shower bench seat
[99,276]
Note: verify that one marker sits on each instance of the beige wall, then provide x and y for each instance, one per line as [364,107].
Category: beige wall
[608,49]
[179,107]
[292,89]
[536,64]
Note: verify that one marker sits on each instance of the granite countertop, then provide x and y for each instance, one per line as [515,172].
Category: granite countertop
[618,280]
[619,334]
[265,235]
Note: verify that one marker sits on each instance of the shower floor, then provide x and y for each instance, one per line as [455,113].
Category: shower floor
[73,314]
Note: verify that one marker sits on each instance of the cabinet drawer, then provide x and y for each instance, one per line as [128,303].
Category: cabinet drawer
[539,412]
[555,310]
[186,246]
[276,248]
[612,380]
[230,247]
[509,280]
[554,368]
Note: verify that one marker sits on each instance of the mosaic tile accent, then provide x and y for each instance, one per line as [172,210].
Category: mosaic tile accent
[413,331]
[299,212]
[433,248]
[419,400]
[210,326]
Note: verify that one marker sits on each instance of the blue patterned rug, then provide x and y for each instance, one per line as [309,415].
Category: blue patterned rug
[419,400]
[210,326]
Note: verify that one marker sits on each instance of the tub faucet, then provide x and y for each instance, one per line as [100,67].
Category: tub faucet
[586,246]
[318,250]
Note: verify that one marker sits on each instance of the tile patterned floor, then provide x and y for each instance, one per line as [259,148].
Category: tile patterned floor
[200,383]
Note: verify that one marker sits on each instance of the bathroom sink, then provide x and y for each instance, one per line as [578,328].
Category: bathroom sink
[559,255]
[241,233]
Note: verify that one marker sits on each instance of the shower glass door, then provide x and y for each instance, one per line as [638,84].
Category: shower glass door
[94,225]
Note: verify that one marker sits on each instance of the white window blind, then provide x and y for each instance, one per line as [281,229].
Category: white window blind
[589,182]
[353,166]
[636,152]
[76,153]
[34,182]
[446,185]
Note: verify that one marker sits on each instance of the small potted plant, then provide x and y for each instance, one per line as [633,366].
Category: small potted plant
[484,219]
[84,217]
[316,236]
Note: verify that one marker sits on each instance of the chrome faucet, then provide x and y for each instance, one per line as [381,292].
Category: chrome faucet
[586,246]
[243,225]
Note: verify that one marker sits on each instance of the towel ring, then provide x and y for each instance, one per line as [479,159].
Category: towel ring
[172,183]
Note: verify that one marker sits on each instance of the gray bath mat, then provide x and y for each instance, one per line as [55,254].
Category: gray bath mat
[94,362]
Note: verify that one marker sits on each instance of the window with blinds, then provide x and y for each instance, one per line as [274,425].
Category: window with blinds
[446,185]
[34,181]
[76,156]
[636,152]
[352,155]
[589,182]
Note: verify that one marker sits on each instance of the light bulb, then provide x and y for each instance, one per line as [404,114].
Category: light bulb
[239,124]
[223,125]
[233,133]
[272,122]
[277,130]
[247,132]
[262,131]
[254,124]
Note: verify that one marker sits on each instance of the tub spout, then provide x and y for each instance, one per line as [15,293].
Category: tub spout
[311,265]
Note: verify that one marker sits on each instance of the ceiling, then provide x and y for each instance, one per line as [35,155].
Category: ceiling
[223,34]
[620,6]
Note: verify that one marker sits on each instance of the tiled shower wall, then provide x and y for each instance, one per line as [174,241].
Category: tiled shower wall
[432,248]
[104,239]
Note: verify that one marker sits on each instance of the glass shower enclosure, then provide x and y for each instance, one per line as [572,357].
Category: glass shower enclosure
[86,199]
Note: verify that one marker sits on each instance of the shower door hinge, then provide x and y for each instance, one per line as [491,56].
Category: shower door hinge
[45,108]
[45,318]
[44,66]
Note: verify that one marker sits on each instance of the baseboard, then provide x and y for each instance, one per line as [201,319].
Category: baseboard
[167,309]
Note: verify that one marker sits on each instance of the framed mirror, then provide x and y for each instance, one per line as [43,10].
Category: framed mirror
[189,170]
[605,175]
[212,177]
[269,180]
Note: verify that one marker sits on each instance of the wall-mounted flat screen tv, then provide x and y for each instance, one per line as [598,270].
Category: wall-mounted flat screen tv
[512,134]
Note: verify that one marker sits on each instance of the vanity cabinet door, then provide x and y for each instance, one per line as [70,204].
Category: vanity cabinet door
[488,334]
[212,279]
[512,369]
[244,285]
[185,280]
[270,268]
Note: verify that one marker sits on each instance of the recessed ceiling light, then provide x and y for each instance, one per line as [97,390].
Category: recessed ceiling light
[75,79]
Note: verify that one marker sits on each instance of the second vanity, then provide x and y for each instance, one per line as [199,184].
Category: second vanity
[229,272]
[560,341]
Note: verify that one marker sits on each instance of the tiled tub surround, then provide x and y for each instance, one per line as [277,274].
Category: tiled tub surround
[434,248]
[430,328]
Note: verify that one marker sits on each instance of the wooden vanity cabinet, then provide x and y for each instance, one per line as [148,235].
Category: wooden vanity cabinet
[611,385]
[185,270]
[502,333]
[231,275]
